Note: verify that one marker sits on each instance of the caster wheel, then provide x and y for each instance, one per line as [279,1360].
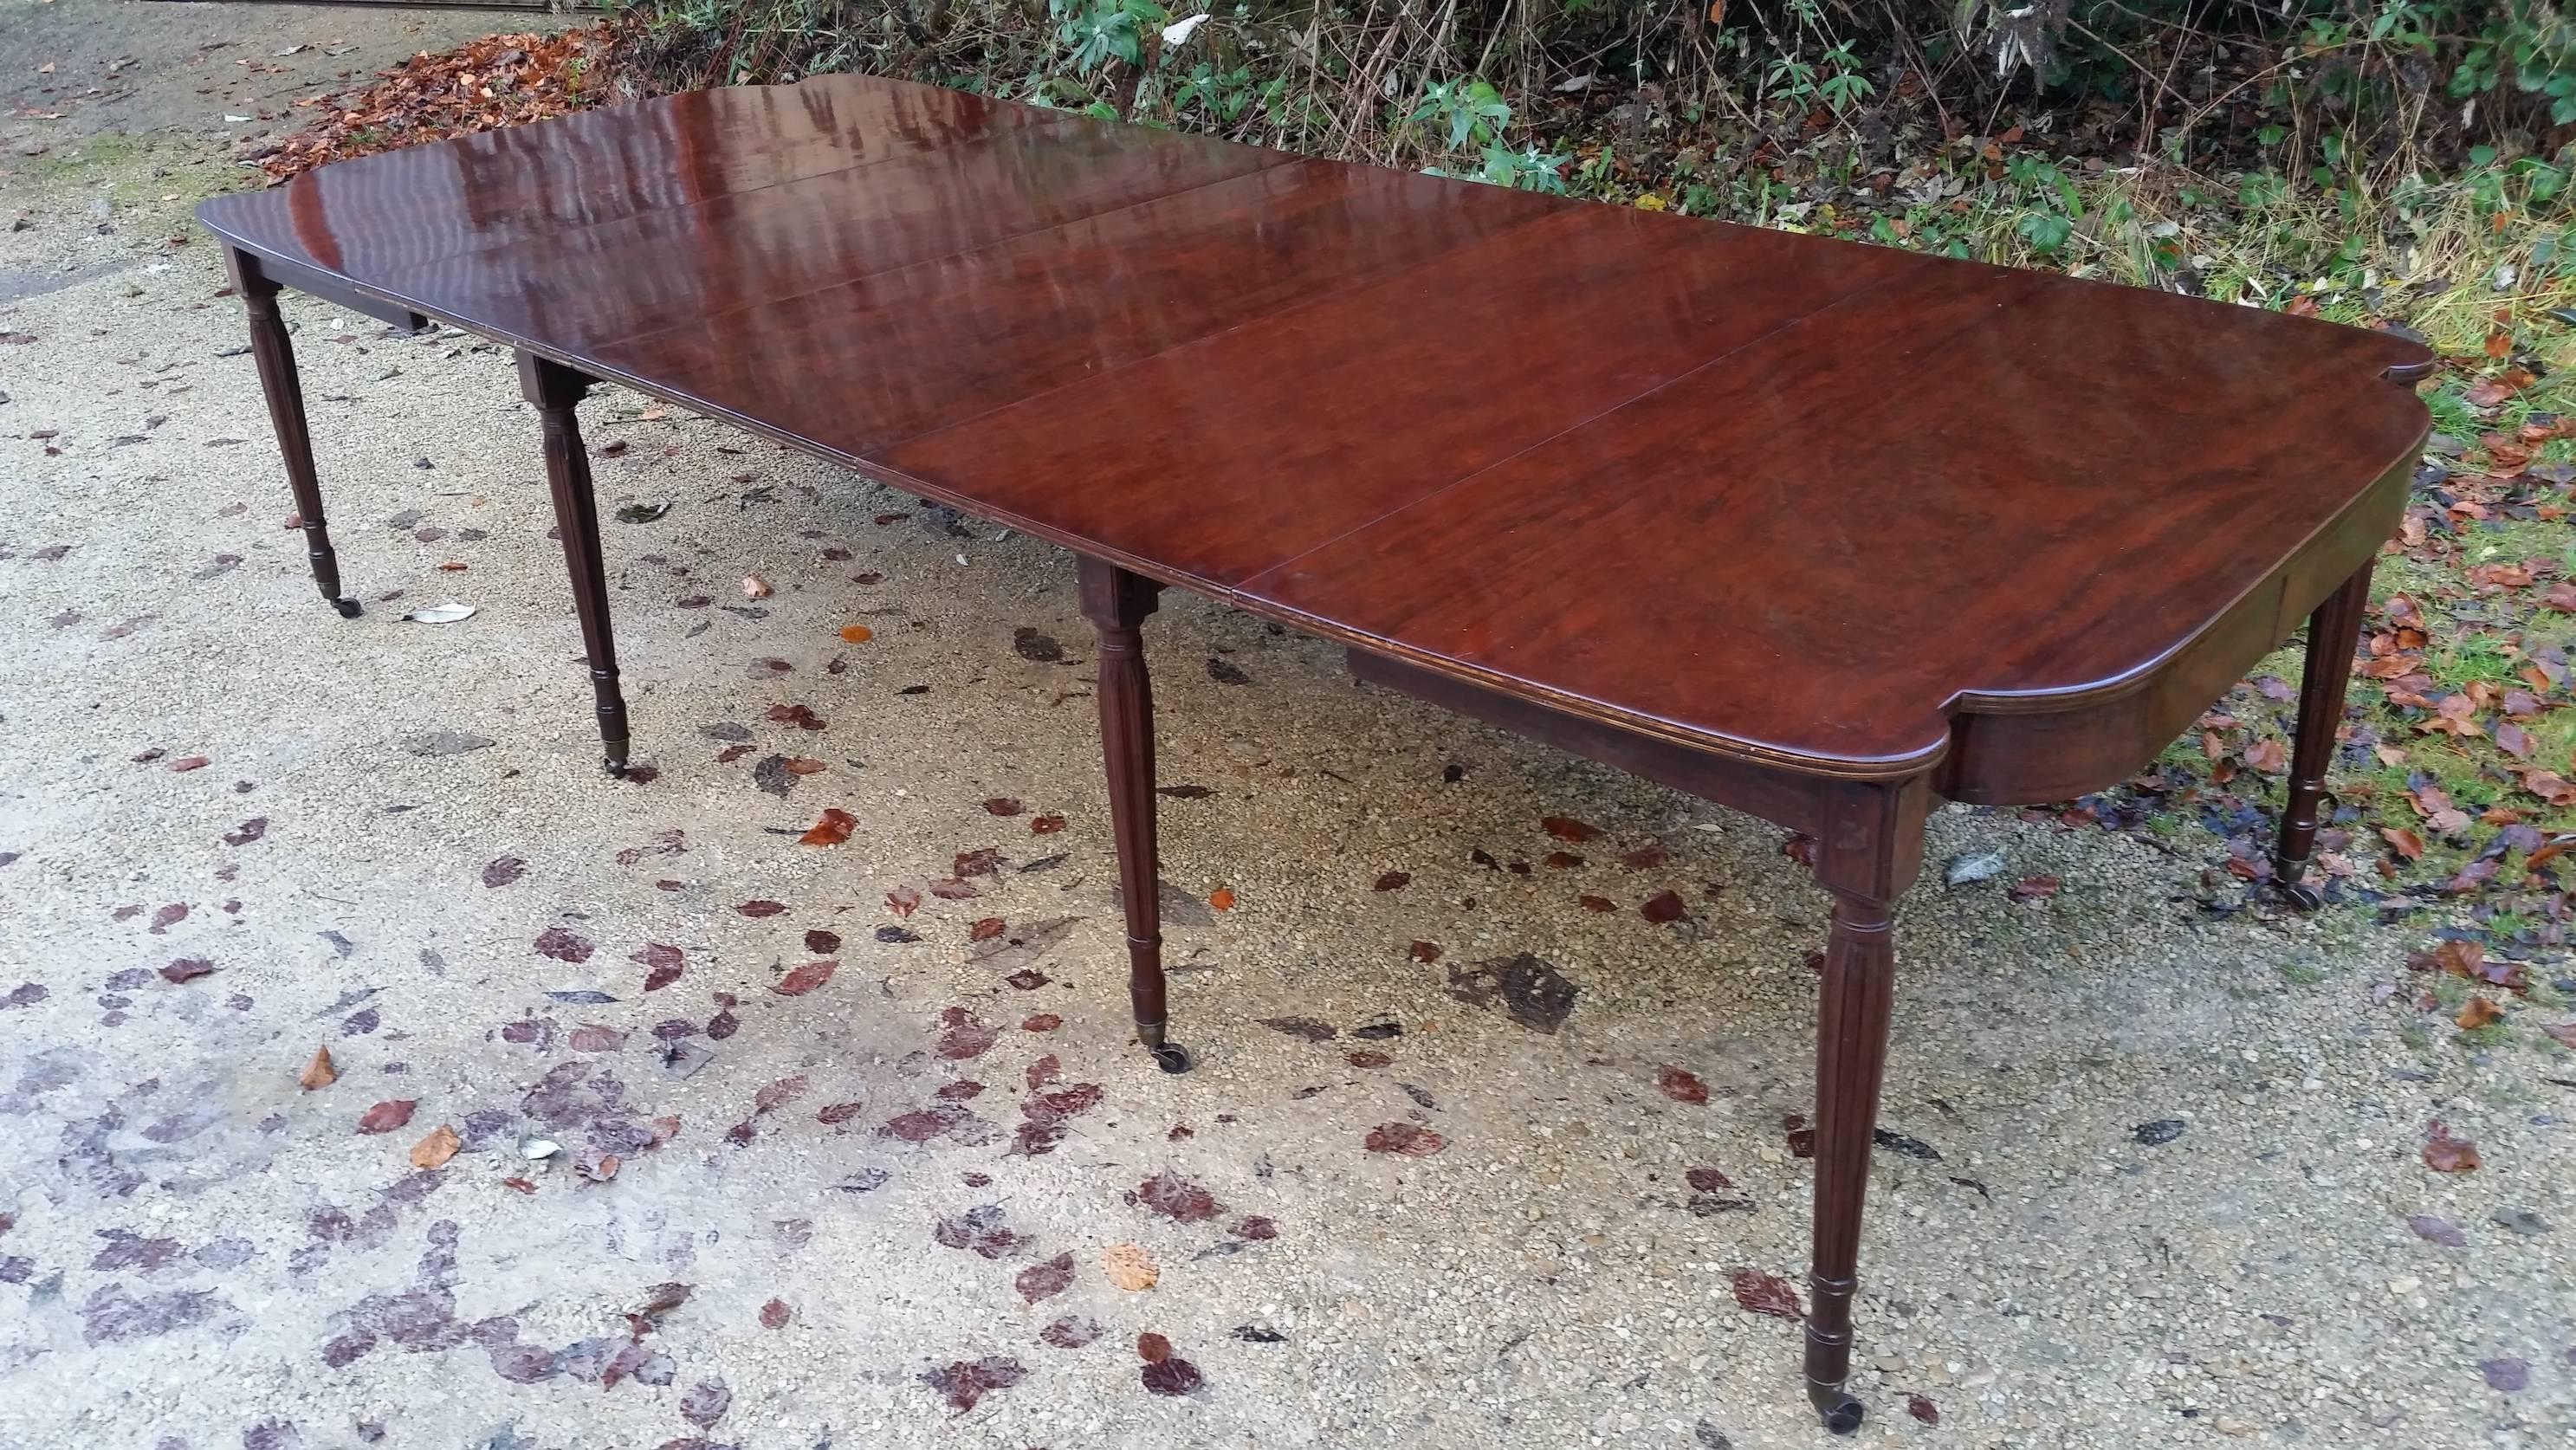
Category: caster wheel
[2299,895]
[1173,1058]
[348,608]
[1840,1411]
[615,768]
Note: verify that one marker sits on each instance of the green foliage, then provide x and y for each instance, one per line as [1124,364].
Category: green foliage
[1095,32]
[1468,108]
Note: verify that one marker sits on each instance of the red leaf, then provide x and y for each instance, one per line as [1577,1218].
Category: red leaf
[1002,805]
[1177,1198]
[386,1116]
[1590,902]
[1174,1376]
[1566,828]
[1762,1293]
[903,901]
[1046,825]
[805,978]
[1681,1086]
[563,944]
[831,830]
[504,870]
[987,929]
[187,969]
[1424,952]
[774,1314]
[1044,1281]
[1664,907]
[761,908]
[1393,880]
[1922,1409]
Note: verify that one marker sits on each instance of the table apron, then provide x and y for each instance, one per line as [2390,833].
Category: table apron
[2032,756]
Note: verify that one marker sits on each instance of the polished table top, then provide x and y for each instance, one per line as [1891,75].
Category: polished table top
[1775,496]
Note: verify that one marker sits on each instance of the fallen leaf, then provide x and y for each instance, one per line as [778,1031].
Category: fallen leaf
[1762,1293]
[2407,844]
[774,1314]
[1410,1140]
[187,969]
[857,633]
[1046,825]
[833,829]
[319,1073]
[1045,1281]
[449,613]
[1566,828]
[2477,1013]
[1663,908]
[1177,1198]
[434,1150]
[1681,1086]
[963,1383]
[805,978]
[386,1116]
[1173,1376]
[2446,1154]
[1128,1267]
[754,587]
[2437,1231]
[1393,880]
[1222,898]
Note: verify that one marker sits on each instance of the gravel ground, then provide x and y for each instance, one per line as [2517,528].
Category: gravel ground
[2154,1170]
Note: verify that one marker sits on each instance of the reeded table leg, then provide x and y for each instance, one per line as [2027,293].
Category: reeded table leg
[1872,848]
[556,390]
[1116,602]
[275,356]
[2334,633]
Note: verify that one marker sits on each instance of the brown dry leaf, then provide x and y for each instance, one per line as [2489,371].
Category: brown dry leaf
[1129,1267]
[498,80]
[386,1116]
[2267,756]
[1222,898]
[2478,1013]
[2446,1154]
[1410,1140]
[832,830]
[434,1150]
[857,633]
[2406,843]
[319,1073]
[755,587]
[2564,1034]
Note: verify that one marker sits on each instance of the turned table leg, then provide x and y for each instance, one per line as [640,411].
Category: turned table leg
[2334,633]
[1116,602]
[275,357]
[1871,849]
[556,390]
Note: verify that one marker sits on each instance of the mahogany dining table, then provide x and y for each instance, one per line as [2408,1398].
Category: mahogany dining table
[1823,531]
